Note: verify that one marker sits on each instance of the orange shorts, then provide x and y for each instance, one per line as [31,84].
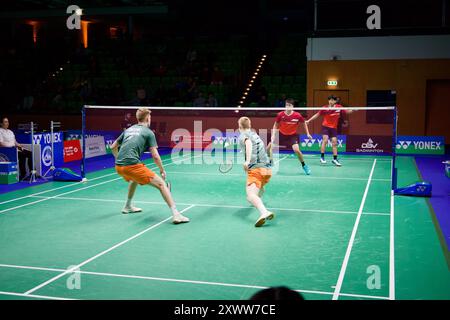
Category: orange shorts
[137,173]
[259,176]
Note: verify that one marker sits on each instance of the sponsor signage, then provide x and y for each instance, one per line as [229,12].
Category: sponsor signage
[8,172]
[44,141]
[95,146]
[109,136]
[369,144]
[72,150]
[229,141]
[420,145]
[315,143]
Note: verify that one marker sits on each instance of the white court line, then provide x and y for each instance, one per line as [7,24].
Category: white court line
[69,192]
[181,280]
[101,254]
[287,176]
[391,252]
[68,185]
[33,296]
[352,237]
[217,205]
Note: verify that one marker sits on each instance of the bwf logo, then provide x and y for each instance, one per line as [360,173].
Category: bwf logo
[74,20]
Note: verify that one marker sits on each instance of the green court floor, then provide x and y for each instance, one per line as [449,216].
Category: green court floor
[337,234]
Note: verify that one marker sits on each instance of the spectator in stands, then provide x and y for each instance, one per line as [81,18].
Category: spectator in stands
[127,121]
[192,91]
[217,76]
[191,56]
[281,102]
[263,102]
[161,69]
[212,101]
[200,102]
[8,140]
[140,99]
[205,77]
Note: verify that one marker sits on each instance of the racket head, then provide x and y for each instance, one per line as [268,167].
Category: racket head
[226,166]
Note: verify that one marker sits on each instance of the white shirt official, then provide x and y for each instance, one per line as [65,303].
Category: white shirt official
[7,138]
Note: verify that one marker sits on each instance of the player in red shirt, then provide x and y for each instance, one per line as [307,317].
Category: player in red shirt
[286,124]
[329,127]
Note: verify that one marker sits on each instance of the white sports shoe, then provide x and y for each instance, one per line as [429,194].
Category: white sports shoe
[262,219]
[323,161]
[336,163]
[179,218]
[131,209]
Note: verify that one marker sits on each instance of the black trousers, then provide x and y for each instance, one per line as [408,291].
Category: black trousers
[24,156]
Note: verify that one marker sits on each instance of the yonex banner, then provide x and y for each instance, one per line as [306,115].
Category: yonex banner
[315,143]
[420,145]
[44,139]
[228,141]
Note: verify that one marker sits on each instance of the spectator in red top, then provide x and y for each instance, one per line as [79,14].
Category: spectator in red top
[329,127]
[286,125]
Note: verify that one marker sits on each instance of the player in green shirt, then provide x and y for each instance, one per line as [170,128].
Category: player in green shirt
[257,165]
[133,142]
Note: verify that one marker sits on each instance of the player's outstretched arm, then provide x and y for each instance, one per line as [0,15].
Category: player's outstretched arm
[157,160]
[313,118]
[274,132]
[307,130]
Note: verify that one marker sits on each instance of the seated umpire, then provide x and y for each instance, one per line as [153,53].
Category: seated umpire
[8,140]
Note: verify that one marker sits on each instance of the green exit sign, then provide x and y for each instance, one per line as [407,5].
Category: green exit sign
[332,82]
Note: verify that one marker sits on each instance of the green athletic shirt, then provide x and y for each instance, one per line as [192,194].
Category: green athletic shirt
[133,142]
[259,158]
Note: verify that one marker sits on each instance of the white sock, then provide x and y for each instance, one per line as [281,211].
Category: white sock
[174,210]
[128,204]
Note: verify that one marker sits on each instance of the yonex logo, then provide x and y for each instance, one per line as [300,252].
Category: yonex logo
[311,142]
[308,142]
[403,144]
[37,138]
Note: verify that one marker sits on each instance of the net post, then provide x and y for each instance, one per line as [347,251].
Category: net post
[83,134]
[394,153]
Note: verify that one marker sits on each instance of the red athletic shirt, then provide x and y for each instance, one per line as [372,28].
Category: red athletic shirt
[331,117]
[288,125]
